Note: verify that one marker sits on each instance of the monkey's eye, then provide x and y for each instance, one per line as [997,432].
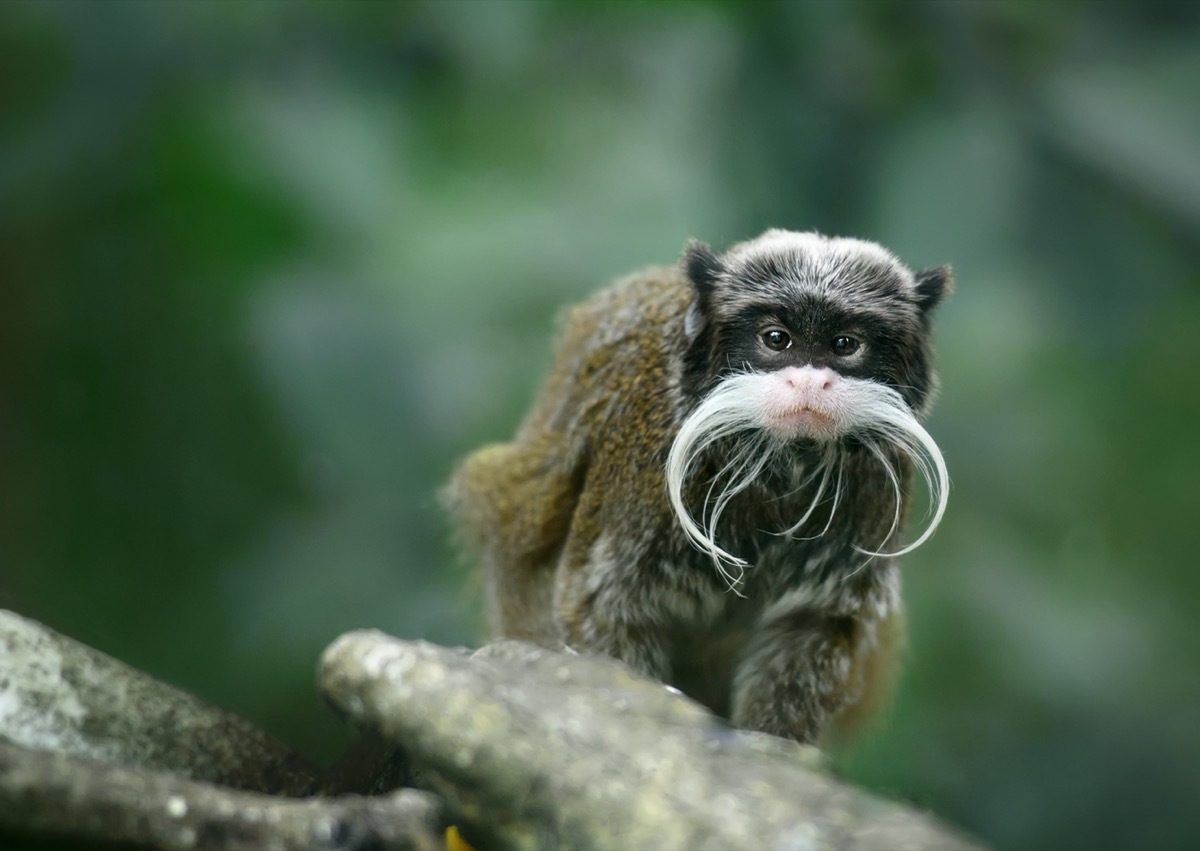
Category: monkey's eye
[776,339]
[844,346]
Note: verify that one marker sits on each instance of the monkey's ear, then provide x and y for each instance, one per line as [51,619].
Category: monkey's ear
[932,285]
[702,266]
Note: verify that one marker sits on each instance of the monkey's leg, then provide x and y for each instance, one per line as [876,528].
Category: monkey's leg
[636,644]
[603,612]
[798,673]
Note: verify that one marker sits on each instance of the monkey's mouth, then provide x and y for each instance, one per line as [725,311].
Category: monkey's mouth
[802,420]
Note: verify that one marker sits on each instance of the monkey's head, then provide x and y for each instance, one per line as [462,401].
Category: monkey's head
[796,339]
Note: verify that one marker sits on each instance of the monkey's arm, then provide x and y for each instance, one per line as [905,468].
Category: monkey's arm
[807,670]
[534,508]
[516,502]
[604,345]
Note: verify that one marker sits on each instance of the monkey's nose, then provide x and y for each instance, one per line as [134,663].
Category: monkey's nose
[808,378]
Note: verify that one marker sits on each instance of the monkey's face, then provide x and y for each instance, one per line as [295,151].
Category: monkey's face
[793,300]
[814,363]
[798,339]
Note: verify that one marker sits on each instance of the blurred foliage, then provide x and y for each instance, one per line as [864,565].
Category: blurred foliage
[268,268]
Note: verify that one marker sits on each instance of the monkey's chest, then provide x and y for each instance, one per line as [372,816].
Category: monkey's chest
[707,644]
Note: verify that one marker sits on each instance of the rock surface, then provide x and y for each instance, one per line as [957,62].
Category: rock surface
[520,747]
[537,750]
[96,754]
[57,796]
[59,695]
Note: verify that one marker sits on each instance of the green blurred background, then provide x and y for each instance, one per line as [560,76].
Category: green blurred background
[268,268]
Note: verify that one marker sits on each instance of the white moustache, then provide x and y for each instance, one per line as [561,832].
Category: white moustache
[764,413]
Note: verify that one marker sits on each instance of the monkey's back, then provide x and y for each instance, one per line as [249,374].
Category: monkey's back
[602,417]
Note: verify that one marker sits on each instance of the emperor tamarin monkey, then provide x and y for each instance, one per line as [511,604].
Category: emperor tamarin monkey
[711,485]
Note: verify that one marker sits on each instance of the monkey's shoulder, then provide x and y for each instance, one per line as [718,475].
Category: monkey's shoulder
[600,412]
[648,304]
[615,371]
[618,351]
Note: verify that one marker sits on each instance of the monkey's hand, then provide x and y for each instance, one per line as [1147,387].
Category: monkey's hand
[799,672]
